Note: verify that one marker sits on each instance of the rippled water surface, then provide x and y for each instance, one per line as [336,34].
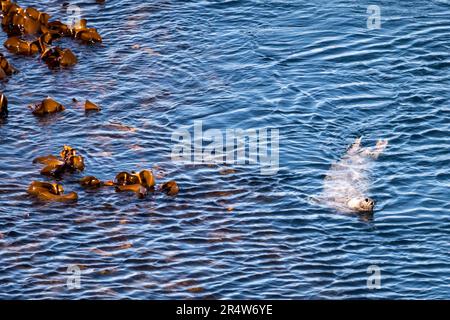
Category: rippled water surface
[313,70]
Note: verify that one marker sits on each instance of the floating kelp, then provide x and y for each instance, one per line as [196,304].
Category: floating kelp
[125,178]
[57,27]
[90,106]
[9,10]
[74,163]
[17,45]
[53,188]
[67,151]
[46,40]
[51,164]
[69,161]
[18,22]
[72,160]
[144,178]
[30,21]
[87,35]
[139,183]
[142,182]
[170,188]
[3,106]
[57,57]
[37,15]
[5,67]
[47,106]
[46,191]
[31,33]
[147,179]
[91,182]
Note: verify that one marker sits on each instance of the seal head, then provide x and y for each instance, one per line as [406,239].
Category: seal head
[361,204]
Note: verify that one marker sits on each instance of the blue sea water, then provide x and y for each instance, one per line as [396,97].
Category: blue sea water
[311,69]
